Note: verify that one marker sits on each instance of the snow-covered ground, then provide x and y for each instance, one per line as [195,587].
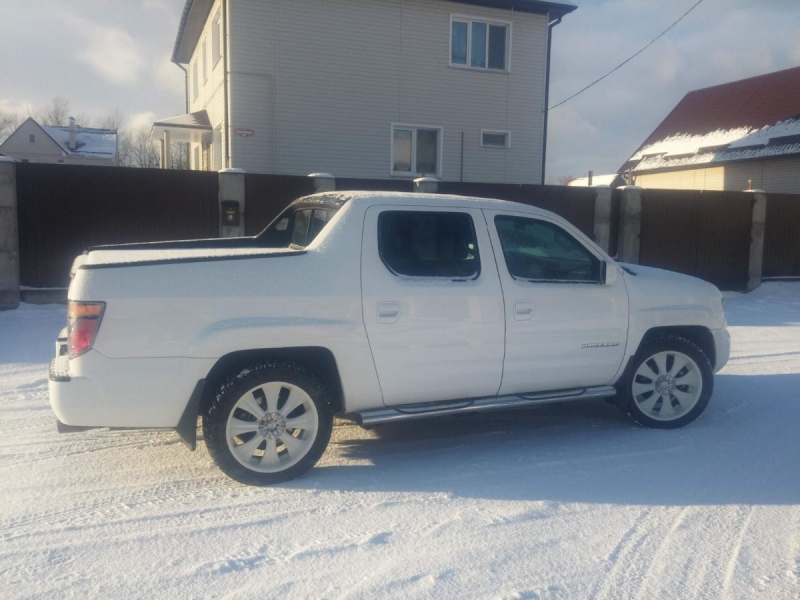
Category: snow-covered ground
[570,501]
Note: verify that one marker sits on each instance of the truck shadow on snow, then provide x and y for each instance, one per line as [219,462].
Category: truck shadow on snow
[745,450]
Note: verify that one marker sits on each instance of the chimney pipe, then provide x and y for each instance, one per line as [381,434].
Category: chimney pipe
[591,178]
[73,143]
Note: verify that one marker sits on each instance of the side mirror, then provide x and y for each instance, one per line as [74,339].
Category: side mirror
[608,274]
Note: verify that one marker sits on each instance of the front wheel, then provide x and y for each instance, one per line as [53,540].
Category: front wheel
[670,384]
[268,424]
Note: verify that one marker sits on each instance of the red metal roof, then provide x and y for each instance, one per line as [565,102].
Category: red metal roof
[755,103]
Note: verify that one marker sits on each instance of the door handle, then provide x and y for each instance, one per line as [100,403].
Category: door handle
[523,310]
[388,312]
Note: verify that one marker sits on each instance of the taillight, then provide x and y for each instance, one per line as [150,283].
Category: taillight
[83,321]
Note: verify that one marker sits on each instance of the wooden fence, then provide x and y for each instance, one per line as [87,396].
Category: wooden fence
[782,236]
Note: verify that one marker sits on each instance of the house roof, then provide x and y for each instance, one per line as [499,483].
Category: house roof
[752,118]
[195,14]
[609,179]
[94,143]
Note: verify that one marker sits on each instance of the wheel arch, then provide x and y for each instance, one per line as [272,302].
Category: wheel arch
[699,335]
[317,359]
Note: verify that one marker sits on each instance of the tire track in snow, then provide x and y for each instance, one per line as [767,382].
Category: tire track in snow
[81,514]
[730,567]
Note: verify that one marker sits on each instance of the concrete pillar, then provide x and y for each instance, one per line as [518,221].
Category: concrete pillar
[602,216]
[231,203]
[167,159]
[757,239]
[630,224]
[323,182]
[426,185]
[9,236]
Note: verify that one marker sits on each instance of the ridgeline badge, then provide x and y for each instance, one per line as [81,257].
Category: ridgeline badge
[601,345]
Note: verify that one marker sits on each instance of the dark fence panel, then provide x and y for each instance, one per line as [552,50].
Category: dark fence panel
[575,204]
[704,234]
[64,209]
[782,236]
[267,195]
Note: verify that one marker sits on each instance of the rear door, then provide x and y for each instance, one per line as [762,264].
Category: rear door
[433,306]
[564,327]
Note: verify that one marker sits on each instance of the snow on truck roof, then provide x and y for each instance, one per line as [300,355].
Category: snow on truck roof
[418,199]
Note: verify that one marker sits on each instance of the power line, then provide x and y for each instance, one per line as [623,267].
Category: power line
[622,64]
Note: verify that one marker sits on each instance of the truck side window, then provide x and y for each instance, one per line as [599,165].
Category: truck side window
[302,219]
[540,251]
[428,244]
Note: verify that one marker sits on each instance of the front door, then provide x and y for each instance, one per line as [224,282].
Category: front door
[433,307]
[564,327]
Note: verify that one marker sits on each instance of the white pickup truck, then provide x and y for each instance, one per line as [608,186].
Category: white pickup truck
[380,307]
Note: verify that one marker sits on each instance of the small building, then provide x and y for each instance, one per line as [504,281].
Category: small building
[378,89]
[613,180]
[727,137]
[72,145]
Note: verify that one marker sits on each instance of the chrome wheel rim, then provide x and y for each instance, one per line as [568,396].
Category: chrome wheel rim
[667,386]
[272,427]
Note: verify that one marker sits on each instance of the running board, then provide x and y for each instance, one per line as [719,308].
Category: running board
[407,412]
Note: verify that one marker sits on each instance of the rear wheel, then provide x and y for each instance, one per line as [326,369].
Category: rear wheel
[268,424]
[670,384]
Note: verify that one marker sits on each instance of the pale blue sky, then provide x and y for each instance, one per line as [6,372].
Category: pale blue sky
[102,54]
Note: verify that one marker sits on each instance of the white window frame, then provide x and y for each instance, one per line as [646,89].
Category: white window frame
[414,128]
[204,58]
[496,132]
[469,20]
[216,38]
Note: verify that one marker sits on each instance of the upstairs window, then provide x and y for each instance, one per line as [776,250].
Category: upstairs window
[32,138]
[205,60]
[195,82]
[495,139]
[428,244]
[216,37]
[478,44]
[416,150]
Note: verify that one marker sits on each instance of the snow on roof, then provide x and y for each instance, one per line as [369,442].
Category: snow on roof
[596,180]
[95,143]
[752,118]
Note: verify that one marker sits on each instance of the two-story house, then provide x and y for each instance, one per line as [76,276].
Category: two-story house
[367,88]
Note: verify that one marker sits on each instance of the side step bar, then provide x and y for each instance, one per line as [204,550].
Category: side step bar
[407,412]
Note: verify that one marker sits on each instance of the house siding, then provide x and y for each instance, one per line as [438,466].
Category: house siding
[778,175]
[322,89]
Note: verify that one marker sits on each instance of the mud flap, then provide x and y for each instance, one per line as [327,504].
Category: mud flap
[187,426]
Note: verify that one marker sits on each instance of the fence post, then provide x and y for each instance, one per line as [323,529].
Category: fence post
[756,263]
[630,224]
[323,182]
[426,185]
[231,203]
[602,216]
[9,236]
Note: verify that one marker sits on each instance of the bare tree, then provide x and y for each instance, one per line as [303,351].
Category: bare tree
[8,124]
[83,120]
[139,150]
[113,120]
[57,113]
[565,179]
[180,156]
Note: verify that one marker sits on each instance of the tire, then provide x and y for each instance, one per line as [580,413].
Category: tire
[668,369]
[248,426]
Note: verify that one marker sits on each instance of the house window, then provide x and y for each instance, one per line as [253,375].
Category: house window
[195,83]
[416,150]
[216,36]
[495,139]
[205,67]
[479,44]
[32,138]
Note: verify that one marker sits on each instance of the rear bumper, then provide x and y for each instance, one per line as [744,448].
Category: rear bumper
[722,345]
[95,391]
